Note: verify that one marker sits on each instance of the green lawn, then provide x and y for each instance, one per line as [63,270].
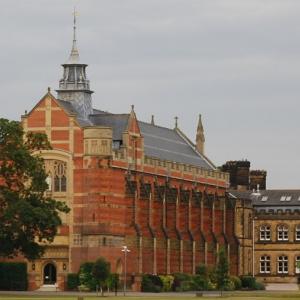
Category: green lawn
[237,296]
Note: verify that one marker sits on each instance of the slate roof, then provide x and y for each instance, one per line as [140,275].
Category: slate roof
[271,198]
[168,144]
[118,122]
[159,142]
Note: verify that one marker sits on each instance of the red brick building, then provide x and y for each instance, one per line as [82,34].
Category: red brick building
[129,183]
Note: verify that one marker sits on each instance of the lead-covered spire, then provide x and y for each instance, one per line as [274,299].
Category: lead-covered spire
[74,86]
[74,56]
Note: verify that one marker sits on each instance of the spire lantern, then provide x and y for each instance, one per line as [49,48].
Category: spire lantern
[74,87]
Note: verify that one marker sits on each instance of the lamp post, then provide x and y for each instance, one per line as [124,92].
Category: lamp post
[125,250]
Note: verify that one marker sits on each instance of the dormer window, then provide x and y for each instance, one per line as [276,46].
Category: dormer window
[264,198]
[282,198]
[288,198]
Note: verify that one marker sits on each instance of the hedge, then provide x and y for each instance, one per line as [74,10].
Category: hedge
[72,281]
[13,276]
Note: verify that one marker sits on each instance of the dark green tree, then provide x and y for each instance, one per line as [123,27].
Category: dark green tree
[222,270]
[28,218]
[101,271]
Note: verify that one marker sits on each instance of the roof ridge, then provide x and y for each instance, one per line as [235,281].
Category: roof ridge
[192,145]
[159,126]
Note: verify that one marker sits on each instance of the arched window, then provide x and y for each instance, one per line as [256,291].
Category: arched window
[264,264]
[265,233]
[282,233]
[297,264]
[297,233]
[282,264]
[60,179]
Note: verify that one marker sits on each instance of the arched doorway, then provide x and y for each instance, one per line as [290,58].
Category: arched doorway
[49,274]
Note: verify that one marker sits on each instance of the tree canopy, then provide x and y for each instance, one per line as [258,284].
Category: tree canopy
[222,270]
[28,217]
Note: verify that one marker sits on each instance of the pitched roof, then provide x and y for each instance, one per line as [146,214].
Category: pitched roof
[159,142]
[118,122]
[169,144]
[270,198]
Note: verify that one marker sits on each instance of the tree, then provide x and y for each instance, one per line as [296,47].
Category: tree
[28,218]
[101,271]
[222,270]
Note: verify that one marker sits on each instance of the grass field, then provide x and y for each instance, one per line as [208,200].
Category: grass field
[248,296]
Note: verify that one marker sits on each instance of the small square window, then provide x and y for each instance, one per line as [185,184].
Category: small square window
[264,198]
[282,198]
[288,198]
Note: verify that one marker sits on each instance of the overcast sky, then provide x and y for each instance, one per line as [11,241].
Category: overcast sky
[237,62]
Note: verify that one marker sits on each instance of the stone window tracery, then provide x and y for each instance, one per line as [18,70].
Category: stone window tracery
[265,233]
[282,233]
[265,264]
[60,179]
[282,264]
[57,175]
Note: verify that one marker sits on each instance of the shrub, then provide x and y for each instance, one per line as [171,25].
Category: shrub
[13,276]
[72,281]
[113,281]
[248,282]
[201,283]
[202,271]
[86,279]
[229,285]
[259,286]
[187,285]
[237,282]
[178,279]
[167,282]
[151,283]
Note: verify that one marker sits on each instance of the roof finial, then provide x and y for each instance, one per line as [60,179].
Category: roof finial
[74,56]
[176,122]
[152,120]
[132,107]
[49,89]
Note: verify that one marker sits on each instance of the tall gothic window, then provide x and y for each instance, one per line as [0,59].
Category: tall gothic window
[282,233]
[297,233]
[264,264]
[60,179]
[265,233]
[282,264]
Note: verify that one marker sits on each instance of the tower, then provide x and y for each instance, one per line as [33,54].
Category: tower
[200,138]
[74,86]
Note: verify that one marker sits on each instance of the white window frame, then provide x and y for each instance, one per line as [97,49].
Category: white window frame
[297,260]
[265,233]
[282,233]
[297,233]
[282,264]
[265,264]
